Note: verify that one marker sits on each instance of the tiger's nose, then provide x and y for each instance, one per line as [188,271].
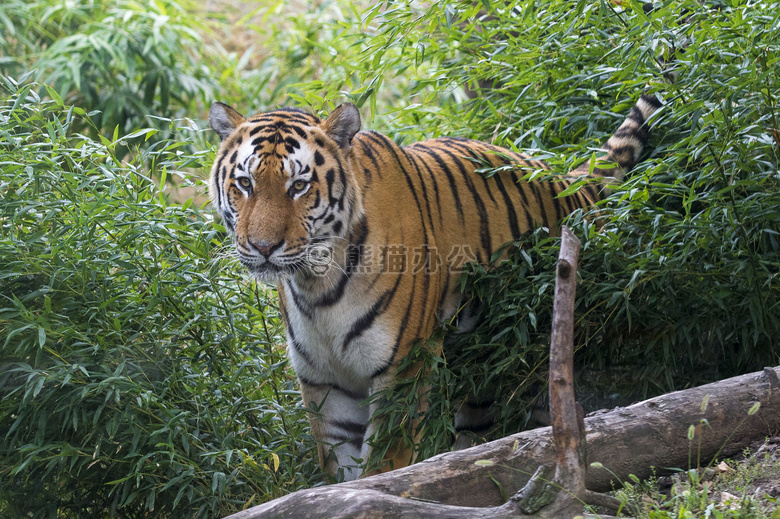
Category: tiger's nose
[265,248]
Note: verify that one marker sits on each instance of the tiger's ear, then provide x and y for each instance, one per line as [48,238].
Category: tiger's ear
[342,124]
[224,119]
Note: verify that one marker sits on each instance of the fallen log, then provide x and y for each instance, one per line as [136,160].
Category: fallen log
[647,438]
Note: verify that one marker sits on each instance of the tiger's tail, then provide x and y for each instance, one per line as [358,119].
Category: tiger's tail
[626,144]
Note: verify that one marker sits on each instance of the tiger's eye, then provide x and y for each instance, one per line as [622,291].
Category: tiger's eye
[298,185]
[244,182]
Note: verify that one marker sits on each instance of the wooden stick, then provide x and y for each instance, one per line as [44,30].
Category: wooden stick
[563,407]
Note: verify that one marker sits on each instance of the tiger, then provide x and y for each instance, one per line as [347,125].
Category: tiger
[365,239]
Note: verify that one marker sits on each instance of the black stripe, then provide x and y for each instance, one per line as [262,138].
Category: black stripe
[567,200]
[486,182]
[426,285]
[404,324]
[411,158]
[294,341]
[521,190]
[356,243]
[355,428]
[291,144]
[369,151]
[257,141]
[301,304]
[349,393]
[319,160]
[446,170]
[330,177]
[444,294]
[620,150]
[325,213]
[640,132]
[635,115]
[415,158]
[301,133]
[484,228]
[343,180]
[365,321]
[510,209]
[584,197]
[314,177]
[537,195]
[593,192]
[228,218]
[555,202]
[579,200]
[651,100]
[340,438]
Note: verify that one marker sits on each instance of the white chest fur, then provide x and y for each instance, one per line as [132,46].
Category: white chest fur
[323,342]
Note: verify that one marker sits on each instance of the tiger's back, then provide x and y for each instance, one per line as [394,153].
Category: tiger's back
[435,201]
[365,240]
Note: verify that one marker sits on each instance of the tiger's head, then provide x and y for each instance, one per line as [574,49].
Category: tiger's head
[283,184]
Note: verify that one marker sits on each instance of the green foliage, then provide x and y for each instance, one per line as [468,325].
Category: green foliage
[137,374]
[129,60]
[139,64]
[298,62]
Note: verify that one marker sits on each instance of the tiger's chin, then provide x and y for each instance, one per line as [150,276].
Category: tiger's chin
[270,273]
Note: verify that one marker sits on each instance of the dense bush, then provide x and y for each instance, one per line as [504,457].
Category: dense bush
[140,64]
[133,62]
[137,373]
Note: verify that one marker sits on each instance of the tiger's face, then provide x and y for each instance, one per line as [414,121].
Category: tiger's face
[283,185]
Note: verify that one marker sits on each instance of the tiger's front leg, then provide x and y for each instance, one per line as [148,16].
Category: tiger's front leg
[398,451]
[338,424]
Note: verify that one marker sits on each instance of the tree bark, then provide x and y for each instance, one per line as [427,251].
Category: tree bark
[645,439]
[563,407]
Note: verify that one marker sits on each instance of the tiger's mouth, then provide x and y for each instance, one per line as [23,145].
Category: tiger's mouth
[312,261]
